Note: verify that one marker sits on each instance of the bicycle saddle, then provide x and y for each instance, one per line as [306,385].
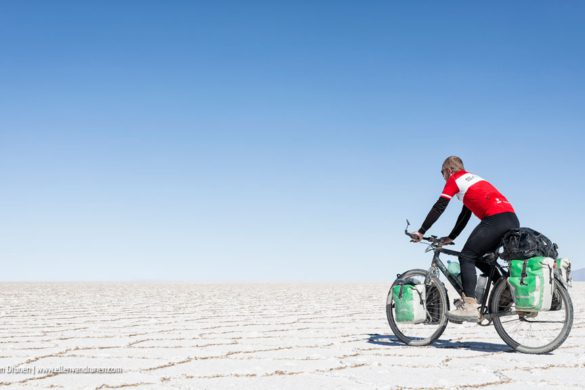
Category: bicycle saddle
[490,257]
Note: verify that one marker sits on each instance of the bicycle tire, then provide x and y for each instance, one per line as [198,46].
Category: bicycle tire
[443,299]
[557,342]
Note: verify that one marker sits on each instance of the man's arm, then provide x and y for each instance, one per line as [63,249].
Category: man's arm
[434,214]
[462,220]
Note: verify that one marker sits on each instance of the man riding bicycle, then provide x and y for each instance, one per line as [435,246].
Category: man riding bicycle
[497,217]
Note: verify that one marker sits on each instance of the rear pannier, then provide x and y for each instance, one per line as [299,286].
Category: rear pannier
[564,267]
[532,283]
[409,301]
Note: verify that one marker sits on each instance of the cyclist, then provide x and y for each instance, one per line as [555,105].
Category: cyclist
[497,217]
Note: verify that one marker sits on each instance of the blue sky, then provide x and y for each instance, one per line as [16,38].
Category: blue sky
[255,141]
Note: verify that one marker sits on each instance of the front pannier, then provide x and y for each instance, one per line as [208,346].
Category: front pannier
[409,301]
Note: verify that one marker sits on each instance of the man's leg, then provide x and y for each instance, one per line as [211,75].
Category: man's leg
[472,250]
[485,238]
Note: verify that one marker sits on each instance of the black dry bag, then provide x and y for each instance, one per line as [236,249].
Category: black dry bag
[524,243]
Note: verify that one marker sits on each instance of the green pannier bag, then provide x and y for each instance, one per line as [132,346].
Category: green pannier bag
[409,302]
[532,283]
[564,267]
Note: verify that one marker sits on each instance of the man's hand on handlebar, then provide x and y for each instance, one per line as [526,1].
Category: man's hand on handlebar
[446,241]
[416,237]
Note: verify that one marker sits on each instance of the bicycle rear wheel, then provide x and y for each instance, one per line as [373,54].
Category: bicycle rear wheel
[533,333]
[436,305]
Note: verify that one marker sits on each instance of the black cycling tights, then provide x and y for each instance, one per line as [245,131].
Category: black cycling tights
[485,238]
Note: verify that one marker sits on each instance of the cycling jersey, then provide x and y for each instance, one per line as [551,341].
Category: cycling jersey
[479,196]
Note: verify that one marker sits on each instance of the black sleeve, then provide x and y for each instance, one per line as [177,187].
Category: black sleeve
[434,214]
[462,220]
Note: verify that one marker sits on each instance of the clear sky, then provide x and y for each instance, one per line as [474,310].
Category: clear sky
[277,141]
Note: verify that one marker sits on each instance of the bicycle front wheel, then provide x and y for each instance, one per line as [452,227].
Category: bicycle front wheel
[436,306]
[534,333]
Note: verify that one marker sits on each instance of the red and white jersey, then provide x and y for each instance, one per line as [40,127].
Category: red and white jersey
[479,196]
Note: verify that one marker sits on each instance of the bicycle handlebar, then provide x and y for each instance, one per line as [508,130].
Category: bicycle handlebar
[431,239]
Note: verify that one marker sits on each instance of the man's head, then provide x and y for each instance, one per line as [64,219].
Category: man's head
[451,165]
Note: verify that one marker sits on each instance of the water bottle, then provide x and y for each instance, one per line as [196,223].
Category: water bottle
[480,287]
[454,269]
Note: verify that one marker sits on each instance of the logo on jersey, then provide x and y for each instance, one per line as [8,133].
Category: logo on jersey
[464,182]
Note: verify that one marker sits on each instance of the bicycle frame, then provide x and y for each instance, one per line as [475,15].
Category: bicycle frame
[437,247]
[437,264]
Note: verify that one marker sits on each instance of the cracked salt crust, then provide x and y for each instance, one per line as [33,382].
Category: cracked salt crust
[260,336]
